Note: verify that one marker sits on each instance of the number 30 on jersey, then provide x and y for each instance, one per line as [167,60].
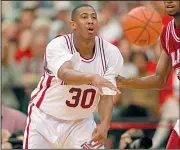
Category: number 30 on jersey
[76,99]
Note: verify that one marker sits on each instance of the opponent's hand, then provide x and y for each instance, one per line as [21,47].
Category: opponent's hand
[119,81]
[101,82]
[99,135]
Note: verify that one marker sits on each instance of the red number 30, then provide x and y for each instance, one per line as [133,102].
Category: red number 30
[76,98]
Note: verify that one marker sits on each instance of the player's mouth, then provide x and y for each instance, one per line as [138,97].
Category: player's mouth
[169,7]
[91,30]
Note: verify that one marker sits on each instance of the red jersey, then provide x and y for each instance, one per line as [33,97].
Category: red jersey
[170,41]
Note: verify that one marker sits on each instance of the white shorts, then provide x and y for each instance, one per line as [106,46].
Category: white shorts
[45,132]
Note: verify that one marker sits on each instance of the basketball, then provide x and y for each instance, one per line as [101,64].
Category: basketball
[142,26]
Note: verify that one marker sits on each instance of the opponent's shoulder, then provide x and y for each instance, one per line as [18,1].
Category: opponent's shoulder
[166,27]
[59,40]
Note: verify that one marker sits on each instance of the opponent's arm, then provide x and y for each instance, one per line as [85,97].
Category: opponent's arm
[156,81]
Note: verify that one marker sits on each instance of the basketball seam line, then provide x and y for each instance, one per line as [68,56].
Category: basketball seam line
[144,15]
[150,26]
[150,20]
[144,28]
[139,27]
[147,24]
[148,37]
[144,23]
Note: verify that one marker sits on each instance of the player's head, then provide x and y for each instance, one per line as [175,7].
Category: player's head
[84,21]
[172,7]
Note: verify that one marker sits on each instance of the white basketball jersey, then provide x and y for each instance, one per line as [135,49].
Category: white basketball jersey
[71,102]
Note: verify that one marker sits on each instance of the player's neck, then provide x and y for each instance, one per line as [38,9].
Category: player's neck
[84,47]
[177,21]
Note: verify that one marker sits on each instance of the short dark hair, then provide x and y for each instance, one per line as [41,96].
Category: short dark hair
[73,14]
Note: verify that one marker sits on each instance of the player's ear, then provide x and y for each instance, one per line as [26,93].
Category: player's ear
[73,25]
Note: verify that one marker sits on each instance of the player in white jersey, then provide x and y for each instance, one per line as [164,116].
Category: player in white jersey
[79,77]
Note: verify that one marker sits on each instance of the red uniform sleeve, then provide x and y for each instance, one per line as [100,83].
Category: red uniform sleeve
[163,39]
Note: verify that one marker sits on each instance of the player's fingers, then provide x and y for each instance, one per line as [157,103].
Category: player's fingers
[95,138]
[96,144]
[102,143]
[112,87]
[99,143]
[100,146]
[118,91]
[109,85]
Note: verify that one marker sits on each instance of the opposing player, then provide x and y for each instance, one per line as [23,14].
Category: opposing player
[79,75]
[169,58]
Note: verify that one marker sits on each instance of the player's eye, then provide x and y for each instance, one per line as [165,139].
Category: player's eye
[84,17]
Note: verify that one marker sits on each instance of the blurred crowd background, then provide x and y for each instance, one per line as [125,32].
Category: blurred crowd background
[28,26]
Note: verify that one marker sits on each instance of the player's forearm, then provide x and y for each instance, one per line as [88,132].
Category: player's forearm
[74,77]
[105,109]
[148,82]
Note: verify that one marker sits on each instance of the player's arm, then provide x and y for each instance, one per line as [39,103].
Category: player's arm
[155,81]
[61,63]
[105,108]
[70,76]
[73,77]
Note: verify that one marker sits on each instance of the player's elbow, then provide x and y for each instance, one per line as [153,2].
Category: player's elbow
[161,81]
[64,75]
[64,71]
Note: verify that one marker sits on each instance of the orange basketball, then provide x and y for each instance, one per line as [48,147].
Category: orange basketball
[142,26]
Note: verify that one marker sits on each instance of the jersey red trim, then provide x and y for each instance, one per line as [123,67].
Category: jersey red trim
[48,83]
[27,128]
[34,96]
[101,55]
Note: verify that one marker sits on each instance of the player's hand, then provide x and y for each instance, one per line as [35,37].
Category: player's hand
[120,81]
[101,82]
[99,135]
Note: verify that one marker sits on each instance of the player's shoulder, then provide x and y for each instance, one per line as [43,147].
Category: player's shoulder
[166,27]
[59,40]
[107,46]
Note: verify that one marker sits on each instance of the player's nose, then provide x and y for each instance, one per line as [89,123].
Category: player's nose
[90,20]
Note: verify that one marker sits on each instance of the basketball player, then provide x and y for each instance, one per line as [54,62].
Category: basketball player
[79,76]
[169,58]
